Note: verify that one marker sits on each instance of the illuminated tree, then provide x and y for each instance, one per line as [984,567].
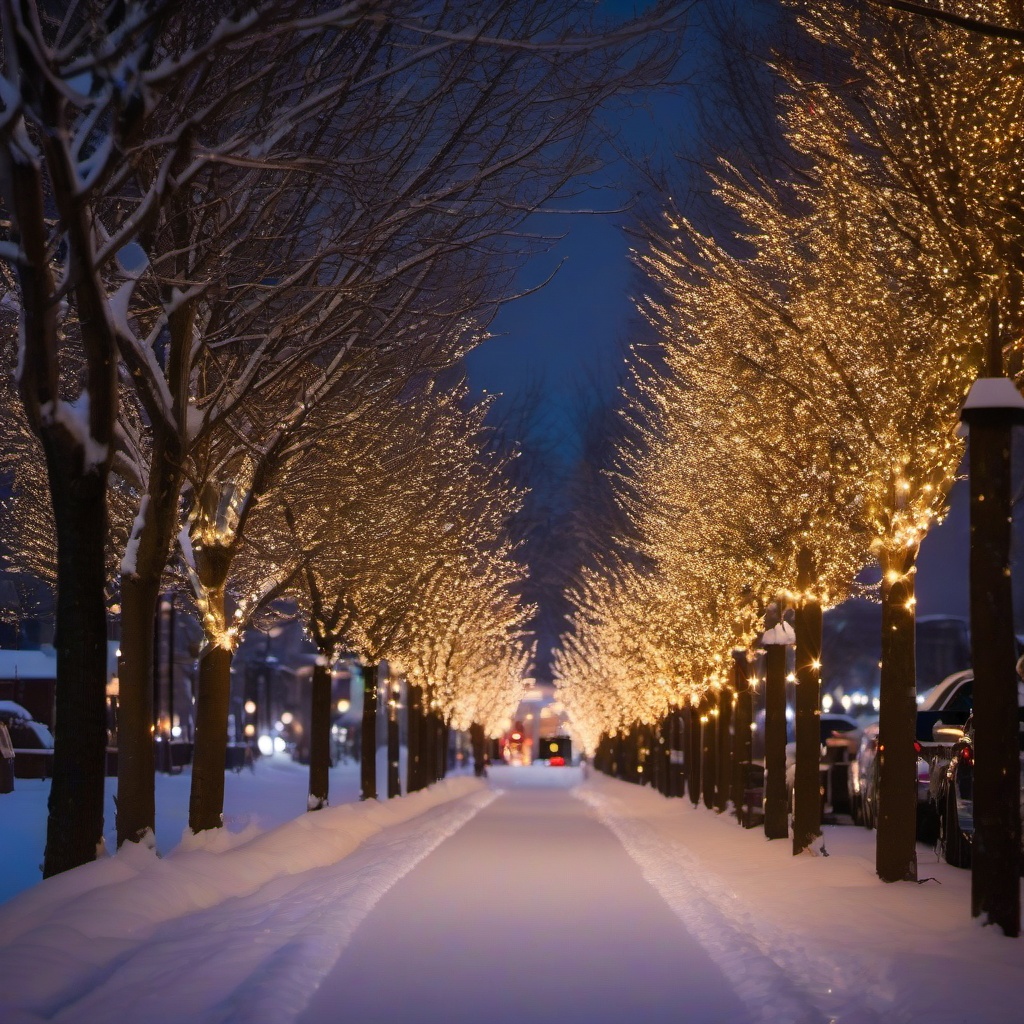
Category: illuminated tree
[94,187]
[852,314]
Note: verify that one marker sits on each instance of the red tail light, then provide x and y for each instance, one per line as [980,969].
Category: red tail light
[967,755]
[917,748]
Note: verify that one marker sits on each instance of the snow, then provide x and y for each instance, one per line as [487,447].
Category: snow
[818,938]
[74,418]
[10,707]
[781,634]
[28,665]
[994,393]
[131,550]
[102,941]
[542,896]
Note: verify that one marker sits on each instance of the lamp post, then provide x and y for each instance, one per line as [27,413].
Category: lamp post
[776,809]
[993,407]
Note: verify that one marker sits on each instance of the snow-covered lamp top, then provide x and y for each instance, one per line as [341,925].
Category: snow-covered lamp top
[780,635]
[994,393]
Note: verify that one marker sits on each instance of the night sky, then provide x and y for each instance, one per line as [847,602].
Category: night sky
[569,339]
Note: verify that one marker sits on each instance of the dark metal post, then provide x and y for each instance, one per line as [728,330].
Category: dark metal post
[807,784]
[776,809]
[992,408]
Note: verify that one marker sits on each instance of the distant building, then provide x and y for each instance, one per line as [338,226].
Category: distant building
[30,679]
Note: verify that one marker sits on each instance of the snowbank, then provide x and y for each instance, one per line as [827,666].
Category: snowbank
[814,938]
[60,938]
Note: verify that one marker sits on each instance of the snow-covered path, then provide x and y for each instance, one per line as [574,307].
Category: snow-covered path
[540,897]
[532,911]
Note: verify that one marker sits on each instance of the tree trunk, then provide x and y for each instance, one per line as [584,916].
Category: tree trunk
[896,843]
[663,732]
[140,599]
[682,716]
[723,780]
[693,751]
[670,730]
[429,742]
[74,828]
[394,749]
[136,801]
[776,806]
[476,735]
[807,783]
[995,866]
[445,748]
[206,799]
[742,752]
[368,760]
[320,734]
[414,738]
[709,749]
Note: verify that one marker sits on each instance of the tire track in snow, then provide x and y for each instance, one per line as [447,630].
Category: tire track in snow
[773,991]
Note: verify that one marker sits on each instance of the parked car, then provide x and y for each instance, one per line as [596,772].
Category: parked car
[862,778]
[953,792]
[863,787]
[840,739]
[948,703]
[32,742]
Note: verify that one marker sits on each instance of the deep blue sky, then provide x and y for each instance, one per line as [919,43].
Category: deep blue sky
[570,335]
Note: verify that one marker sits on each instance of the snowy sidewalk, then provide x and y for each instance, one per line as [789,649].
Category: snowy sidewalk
[535,900]
[532,913]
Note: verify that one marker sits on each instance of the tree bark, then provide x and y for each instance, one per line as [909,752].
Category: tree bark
[776,806]
[896,843]
[724,773]
[663,733]
[709,749]
[807,783]
[444,738]
[476,735]
[213,696]
[394,749]
[74,828]
[368,736]
[414,730]
[693,751]
[742,747]
[995,865]
[320,734]
[136,800]
[429,742]
[140,599]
